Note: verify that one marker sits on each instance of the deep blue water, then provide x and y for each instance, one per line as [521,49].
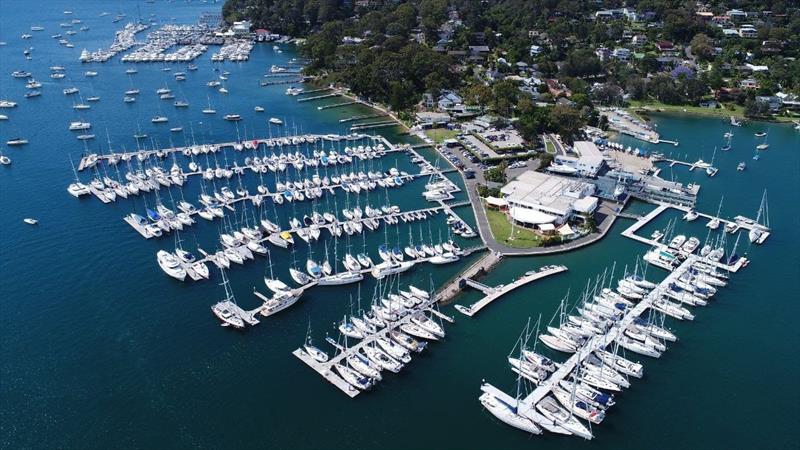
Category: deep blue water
[101,349]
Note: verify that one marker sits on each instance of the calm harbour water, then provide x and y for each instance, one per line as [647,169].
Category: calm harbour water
[100,349]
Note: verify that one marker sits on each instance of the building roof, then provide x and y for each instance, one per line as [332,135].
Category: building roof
[585,205]
[494,201]
[590,155]
[545,192]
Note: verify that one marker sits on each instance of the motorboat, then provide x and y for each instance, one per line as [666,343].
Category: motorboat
[171,265]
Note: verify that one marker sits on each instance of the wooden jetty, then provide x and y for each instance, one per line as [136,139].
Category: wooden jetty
[320,97]
[362,117]
[274,83]
[337,105]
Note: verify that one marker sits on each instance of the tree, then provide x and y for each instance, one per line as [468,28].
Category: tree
[702,47]
[506,95]
[566,121]
[582,62]
[754,108]
[533,122]
[637,88]
[477,94]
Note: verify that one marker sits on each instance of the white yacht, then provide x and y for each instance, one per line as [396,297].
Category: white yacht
[79,126]
[280,301]
[170,265]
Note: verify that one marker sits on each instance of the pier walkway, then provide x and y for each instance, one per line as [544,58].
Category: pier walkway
[499,291]
[598,342]
[319,97]
[325,369]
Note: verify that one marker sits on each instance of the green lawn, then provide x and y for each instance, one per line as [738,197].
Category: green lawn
[439,135]
[737,111]
[723,112]
[501,229]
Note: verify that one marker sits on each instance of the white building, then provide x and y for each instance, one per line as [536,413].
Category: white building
[536,198]
[242,27]
[588,162]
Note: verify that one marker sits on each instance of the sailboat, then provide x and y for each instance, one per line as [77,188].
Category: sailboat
[758,234]
[311,350]
[227,309]
[711,170]
[209,109]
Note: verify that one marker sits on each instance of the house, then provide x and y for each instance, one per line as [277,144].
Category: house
[639,40]
[448,100]
[557,89]
[536,50]
[722,21]
[603,53]
[242,27]
[726,93]
[736,15]
[789,101]
[432,119]
[630,14]
[350,40]
[749,83]
[479,51]
[608,14]
[705,15]
[667,48]
[748,32]
[773,101]
[730,33]
[622,54]
[756,68]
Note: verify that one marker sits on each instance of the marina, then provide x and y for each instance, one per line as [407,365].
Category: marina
[540,409]
[176,354]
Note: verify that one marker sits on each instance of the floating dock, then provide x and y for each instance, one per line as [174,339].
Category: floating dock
[326,369]
[85,161]
[640,222]
[600,342]
[493,293]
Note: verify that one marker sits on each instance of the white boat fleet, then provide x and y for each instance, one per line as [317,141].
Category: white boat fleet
[394,326]
[124,39]
[607,326]
[234,50]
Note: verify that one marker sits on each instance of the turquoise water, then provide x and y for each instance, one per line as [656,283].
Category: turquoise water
[100,349]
